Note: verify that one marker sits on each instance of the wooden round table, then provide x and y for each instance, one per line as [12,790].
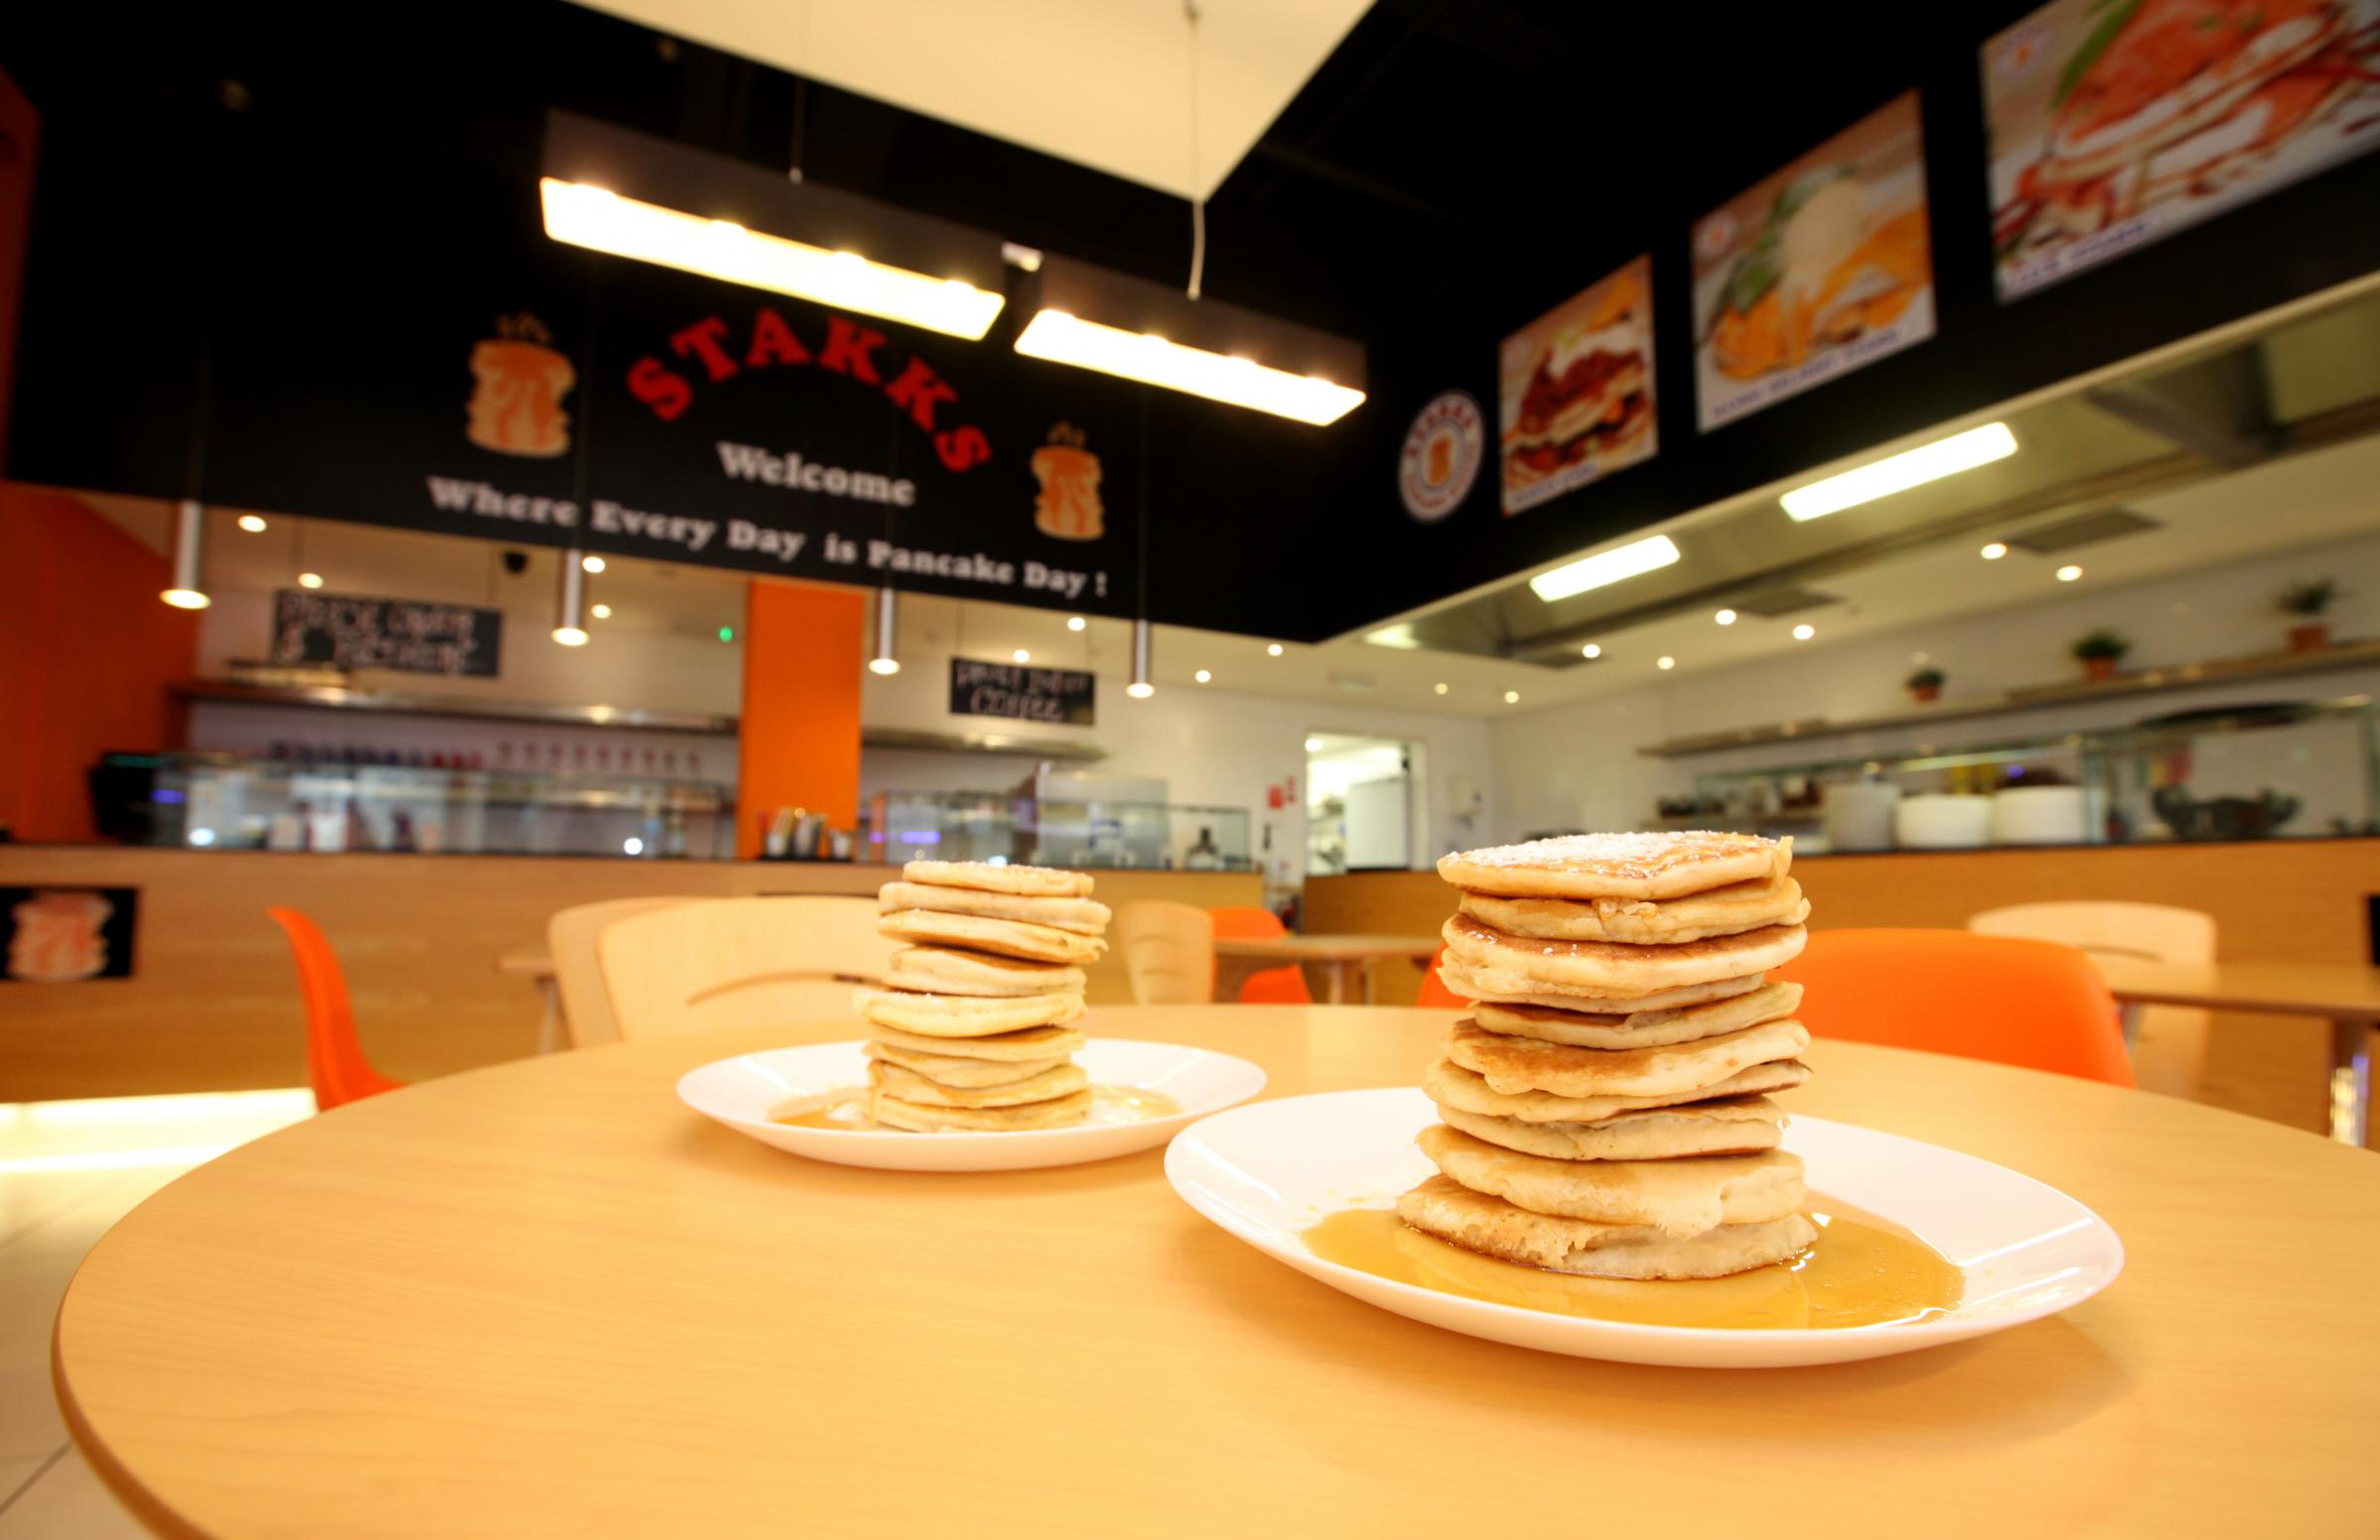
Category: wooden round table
[544,1298]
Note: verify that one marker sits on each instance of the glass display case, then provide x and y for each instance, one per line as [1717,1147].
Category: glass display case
[2297,770]
[203,801]
[1086,832]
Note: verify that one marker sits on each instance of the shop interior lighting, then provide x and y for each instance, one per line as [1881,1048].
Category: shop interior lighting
[310,579]
[2069,573]
[1592,650]
[252,524]
[1899,472]
[1021,656]
[888,623]
[1439,688]
[591,563]
[570,602]
[602,611]
[1075,623]
[1092,318]
[1511,697]
[1804,632]
[614,191]
[1665,662]
[186,589]
[1725,616]
[1203,677]
[1140,688]
[1273,649]
[1605,568]
[1399,635]
[1994,551]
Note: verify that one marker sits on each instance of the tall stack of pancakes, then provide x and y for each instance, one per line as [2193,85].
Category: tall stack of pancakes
[972,1028]
[1604,1108]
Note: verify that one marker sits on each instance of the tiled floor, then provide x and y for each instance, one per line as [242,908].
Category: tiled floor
[68,1171]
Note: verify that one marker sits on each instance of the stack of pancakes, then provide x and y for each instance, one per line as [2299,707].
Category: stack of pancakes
[1603,1108]
[972,1028]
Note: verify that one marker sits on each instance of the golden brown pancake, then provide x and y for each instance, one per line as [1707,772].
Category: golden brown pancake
[951,1069]
[1020,1046]
[1085,916]
[1676,1197]
[1476,1222]
[1057,1113]
[1721,911]
[893,1080]
[1616,968]
[1616,866]
[1040,882]
[1646,1028]
[1005,937]
[1503,986]
[1735,1126]
[937,969]
[1515,1064]
[962,1016]
[1451,1085]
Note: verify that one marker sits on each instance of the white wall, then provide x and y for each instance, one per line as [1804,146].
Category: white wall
[1577,767]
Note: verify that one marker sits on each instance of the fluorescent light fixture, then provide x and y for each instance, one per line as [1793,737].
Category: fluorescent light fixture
[1606,567]
[1725,616]
[1899,472]
[1993,552]
[189,556]
[252,524]
[1021,656]
[2069,573]
[1075,623]
[1092,318]
[614,190]
[1592,650]
[1399,635]
[1804,632]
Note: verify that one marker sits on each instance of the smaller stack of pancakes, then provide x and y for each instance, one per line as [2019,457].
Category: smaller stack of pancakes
[970,1030]
[1604,1108]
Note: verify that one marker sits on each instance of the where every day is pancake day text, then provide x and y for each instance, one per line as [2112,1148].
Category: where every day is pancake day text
[483,499]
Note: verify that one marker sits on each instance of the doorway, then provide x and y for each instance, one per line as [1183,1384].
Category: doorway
[1362,794]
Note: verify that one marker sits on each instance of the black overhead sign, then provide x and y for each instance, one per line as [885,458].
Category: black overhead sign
[1027,694]
[403,634]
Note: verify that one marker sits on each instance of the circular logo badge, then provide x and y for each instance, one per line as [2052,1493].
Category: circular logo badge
[1440,457]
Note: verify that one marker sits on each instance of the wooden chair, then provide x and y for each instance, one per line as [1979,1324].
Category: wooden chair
[570,938]
[2168,1043]
[1168,949]
[710,964]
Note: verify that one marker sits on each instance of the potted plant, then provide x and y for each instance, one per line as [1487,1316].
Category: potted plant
[2099,652]
[1925,684]
[2305,601]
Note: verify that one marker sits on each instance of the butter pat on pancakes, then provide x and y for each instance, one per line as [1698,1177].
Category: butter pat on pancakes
[1603,1112]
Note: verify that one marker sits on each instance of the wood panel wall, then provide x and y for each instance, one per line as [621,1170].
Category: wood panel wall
[214,1002]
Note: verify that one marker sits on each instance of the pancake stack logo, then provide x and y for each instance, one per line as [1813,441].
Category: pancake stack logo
[518,384]
[1068,507]
[1440,457]
[58,937]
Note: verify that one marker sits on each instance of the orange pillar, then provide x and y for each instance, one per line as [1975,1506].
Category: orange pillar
[805,650]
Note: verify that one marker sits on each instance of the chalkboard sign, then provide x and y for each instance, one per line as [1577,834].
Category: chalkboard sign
[403,634]
[1027,694]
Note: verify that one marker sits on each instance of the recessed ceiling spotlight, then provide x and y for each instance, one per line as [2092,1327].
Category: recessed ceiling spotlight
[1313,746]
[1993,552]
[1021,656]
[1201,677]
[1592,650]
[1665,662]
[1804,632]
[254,523]
[1273,649]
[1075,623]
[310,579]
[1725,616]
[602,611]
[1511,697]
[2069,573]
[591,563]
[1439,689]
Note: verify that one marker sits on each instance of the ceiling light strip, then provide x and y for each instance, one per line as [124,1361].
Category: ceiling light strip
[1899,472]
[1605,568]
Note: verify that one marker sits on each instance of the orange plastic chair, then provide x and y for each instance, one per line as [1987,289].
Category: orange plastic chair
[1269,986]
[334,1059]
[2004,998]
[1433,988]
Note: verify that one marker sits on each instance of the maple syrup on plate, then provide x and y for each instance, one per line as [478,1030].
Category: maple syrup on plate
[847,1110]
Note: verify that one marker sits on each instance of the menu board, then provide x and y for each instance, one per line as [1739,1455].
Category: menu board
[347,632]
[1574,390]
[2114,123]
[1821,268]
[63,935]
[1026,694]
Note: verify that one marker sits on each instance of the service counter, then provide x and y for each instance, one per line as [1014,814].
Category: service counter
[212,1003]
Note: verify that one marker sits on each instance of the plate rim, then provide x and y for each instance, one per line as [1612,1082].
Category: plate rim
[1917,1334]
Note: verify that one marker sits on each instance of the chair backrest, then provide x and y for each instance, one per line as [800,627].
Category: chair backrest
[1433,988]
[2156,933]
[571,937]
[1284,985]
[2005,998]
[710,964]
[1168,951]
[334,1059]
[2168,1043]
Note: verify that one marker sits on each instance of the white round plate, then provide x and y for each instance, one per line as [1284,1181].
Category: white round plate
[741,1092]
[1267,1172]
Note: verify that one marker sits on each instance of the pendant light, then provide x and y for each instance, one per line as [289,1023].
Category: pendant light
[571,602]
[190,554]
[887,623]
[1139,688]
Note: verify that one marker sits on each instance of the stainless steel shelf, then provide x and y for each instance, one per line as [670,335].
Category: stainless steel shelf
[2146,681]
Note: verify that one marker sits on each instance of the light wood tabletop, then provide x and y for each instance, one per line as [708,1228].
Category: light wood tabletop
[1336,955]
[2343,994]
[544,1298]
